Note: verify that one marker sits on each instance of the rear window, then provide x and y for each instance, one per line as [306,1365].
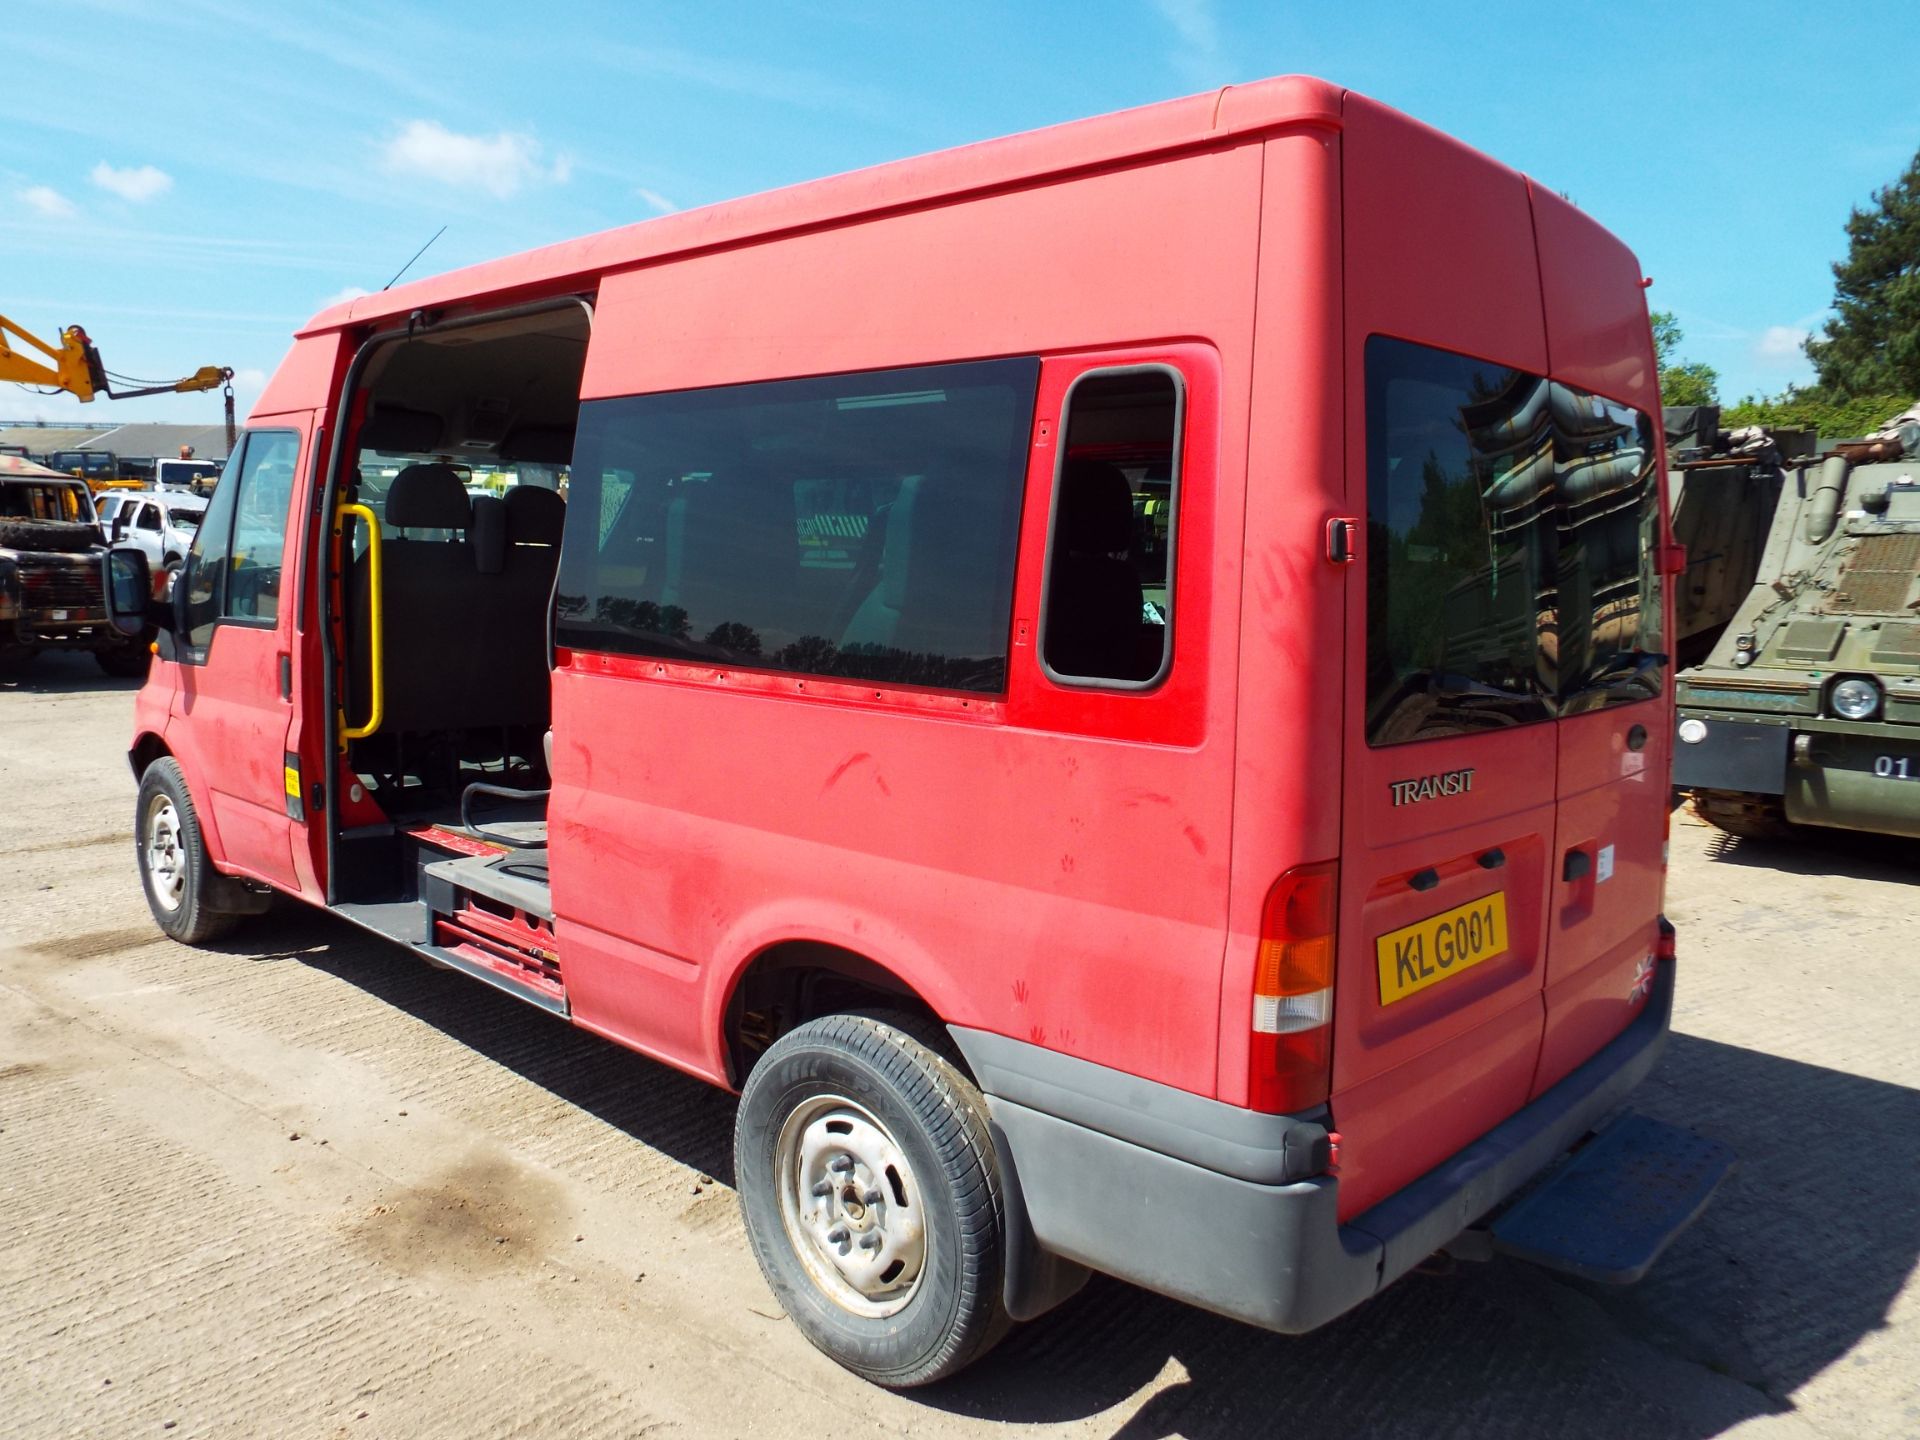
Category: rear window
[859,526]
[1511,525]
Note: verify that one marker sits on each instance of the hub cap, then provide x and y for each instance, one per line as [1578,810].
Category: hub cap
[166,860]
[851,1208]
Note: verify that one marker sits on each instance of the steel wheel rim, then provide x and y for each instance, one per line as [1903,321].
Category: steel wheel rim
[852,1208]
[165,857]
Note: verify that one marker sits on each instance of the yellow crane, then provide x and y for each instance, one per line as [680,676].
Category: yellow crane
[73,366]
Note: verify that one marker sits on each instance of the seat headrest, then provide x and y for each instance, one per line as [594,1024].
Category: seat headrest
[429,497]
[535,516]
[538,444]
[488,534]
[1096,509]
[399,431]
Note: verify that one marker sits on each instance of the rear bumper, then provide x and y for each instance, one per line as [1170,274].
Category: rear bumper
[1271,1254]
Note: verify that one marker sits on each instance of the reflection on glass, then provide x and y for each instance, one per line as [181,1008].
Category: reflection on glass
[1609,524]
[1459,482]
[1512,523]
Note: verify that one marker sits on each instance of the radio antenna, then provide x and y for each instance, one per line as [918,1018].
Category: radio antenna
[416,255]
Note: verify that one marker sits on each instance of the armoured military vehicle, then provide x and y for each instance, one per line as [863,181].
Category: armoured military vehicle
[1807,709]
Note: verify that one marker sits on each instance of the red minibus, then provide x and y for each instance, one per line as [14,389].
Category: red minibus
[1112,683]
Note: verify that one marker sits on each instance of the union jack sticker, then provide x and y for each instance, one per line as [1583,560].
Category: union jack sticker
[1642,981]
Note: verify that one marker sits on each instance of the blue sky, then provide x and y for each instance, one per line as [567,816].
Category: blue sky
[192,179]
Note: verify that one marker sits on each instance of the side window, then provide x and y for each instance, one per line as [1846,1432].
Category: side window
[206,573]
[260,525]
[1107,614]
[149,518]
[235,560]
[855,526]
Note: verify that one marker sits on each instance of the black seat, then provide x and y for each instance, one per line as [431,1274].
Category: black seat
[428,590]
[519,608]
[1095,607]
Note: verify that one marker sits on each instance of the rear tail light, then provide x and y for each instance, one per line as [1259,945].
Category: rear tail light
[1290,1062]
[1665,947]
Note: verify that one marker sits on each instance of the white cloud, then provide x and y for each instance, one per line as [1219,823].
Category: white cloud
[344,294]
[138,183]
[1198,55]
[655,201]
[47,201]
[249,381]
[1780,345]
[501,164]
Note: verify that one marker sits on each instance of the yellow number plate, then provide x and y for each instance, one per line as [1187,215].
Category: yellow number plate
[1428,951]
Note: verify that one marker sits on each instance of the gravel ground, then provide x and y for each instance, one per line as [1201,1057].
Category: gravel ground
[300,1185]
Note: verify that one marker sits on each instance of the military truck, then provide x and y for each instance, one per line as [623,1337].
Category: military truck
[51,581]
[1807,709]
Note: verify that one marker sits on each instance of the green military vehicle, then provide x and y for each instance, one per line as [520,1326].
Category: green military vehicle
[1806,710]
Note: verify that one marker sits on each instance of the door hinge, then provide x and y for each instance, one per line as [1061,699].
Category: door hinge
[1343,539]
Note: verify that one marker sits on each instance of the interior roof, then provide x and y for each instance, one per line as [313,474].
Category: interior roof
[529,364]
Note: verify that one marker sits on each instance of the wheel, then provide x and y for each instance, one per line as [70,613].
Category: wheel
[1750,817]
[125,662]
[873,1198]
[183,888]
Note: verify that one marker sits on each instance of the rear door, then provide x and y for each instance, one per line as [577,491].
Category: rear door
[1450,750]
[1609,869]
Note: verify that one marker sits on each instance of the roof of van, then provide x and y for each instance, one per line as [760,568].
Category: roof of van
[1170,125]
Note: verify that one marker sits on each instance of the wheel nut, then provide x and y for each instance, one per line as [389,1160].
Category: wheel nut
[841,1163]
[837,1235]
[822,1189]
[872,1197]
[870,1241]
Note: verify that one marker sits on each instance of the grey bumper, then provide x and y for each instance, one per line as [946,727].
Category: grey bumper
[1271,1254]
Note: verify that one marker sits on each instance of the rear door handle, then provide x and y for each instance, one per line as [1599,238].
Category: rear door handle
[286,677]
[1578,863]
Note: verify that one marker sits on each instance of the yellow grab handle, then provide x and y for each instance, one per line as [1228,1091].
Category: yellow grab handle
[376,624]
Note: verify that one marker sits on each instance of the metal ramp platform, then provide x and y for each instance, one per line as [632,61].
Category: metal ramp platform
[517,879]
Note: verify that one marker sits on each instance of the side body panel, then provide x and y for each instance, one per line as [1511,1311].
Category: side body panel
[1292,604]
[1040,867]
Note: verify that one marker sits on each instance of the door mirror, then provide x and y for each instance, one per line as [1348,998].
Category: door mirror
[129,590]
[120,522]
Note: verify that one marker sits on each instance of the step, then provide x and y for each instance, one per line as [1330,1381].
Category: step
[518,878]
[1607,1213]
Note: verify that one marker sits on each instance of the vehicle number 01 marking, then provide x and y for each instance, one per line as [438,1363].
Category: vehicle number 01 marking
[1894,767]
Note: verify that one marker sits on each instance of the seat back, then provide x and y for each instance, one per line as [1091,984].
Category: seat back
[1095,606]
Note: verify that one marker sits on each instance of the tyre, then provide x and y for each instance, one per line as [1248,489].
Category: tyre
[60,537]
[125,662]
[183,889]
[873,1198]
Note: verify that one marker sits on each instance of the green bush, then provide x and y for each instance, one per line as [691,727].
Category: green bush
[1835,417]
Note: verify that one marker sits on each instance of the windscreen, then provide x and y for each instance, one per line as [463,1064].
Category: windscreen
[1511,528]
[51,500]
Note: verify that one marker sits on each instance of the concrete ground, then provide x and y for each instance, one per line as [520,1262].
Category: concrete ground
[301,1185]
